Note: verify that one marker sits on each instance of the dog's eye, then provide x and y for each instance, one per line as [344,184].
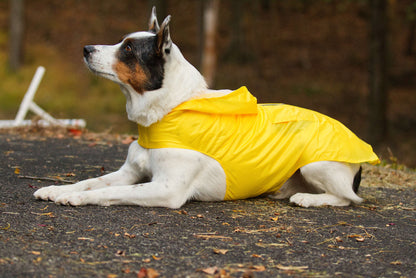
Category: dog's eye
[127,48]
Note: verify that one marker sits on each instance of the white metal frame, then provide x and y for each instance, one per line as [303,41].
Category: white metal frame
[28,104]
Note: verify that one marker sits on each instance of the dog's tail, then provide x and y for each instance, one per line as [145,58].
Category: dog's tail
[357,180]
[352,194]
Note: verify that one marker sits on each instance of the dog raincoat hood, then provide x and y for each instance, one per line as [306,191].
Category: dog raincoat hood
[259,146]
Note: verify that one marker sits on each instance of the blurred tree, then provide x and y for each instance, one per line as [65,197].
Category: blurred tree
[411,17]
[16,34]
[209,56]
[378,68]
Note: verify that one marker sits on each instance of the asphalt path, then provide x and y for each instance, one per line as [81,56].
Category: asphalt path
[248,238]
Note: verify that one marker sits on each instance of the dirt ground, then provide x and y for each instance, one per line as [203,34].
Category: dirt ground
[248,238]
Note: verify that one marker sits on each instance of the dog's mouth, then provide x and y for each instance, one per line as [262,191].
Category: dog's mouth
[93,69]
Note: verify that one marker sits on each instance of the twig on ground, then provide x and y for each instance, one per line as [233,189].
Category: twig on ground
[45,179]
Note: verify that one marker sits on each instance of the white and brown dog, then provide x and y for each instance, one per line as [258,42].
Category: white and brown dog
[155,78]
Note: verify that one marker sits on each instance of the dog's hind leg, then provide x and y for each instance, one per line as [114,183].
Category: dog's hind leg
[336,180]
[296,184]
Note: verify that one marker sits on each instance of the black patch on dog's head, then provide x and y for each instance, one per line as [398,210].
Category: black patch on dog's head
[140,64]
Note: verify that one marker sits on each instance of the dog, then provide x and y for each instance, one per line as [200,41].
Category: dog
[169,100]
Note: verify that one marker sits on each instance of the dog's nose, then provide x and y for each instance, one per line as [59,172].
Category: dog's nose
[88,49]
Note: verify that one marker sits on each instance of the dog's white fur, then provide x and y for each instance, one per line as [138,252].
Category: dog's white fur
[179,175]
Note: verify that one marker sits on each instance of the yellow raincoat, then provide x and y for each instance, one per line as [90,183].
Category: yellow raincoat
[258,146]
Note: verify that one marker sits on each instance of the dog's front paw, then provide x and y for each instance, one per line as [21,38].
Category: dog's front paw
[72,199]
[49,193]
[302,199]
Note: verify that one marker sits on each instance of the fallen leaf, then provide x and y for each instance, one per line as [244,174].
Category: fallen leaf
[112,276]
[247,274]
[35,253]
[220,251]
[258,268]
[129,235]
[354,236]
[120,253]
[75,132]
[147,273]
[17,171]
[156,258]
[184,212]
[360,239]
[142,273]
[396,263]
[151,273]
[210,270]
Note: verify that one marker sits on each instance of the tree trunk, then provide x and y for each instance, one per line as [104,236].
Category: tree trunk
[410,40]
[209,57]
[378,69]
[16,33]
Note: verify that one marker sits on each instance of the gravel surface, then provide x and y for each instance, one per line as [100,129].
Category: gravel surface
[248,238]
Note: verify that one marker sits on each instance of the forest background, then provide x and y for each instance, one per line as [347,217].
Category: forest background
[316,54]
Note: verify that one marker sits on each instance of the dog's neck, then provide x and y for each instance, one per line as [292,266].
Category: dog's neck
[181,83]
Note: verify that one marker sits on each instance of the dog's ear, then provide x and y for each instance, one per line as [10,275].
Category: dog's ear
[164,42]
[153,24]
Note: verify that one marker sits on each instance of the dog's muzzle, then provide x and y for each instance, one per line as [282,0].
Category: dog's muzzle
[88,50]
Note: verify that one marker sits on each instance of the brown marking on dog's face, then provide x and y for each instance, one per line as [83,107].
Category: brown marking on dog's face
[136,77]
[139,64]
